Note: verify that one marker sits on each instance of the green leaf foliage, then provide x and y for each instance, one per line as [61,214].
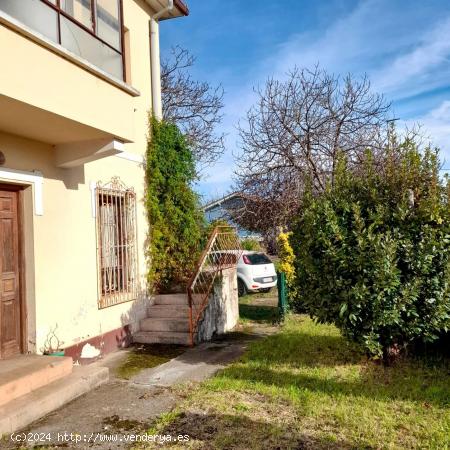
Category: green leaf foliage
[286,264]
[176,220]
[251,244]
[372,252]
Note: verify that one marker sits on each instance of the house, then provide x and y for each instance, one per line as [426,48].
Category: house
[222,209]
[77,81]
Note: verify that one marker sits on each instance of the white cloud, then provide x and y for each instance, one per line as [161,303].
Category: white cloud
[405,50]
[360,41]
[416,71]
[436,127]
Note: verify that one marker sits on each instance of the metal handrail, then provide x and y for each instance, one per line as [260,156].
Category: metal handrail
[222,251]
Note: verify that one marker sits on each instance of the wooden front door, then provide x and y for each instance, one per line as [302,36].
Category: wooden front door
[10,306]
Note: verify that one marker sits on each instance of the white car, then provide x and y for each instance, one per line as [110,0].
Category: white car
[255,272]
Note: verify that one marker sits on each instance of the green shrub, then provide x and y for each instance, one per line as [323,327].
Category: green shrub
[251,244]
[372,252]
[218,223]
[176,221]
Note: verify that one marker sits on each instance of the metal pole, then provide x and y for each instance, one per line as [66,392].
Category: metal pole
[282,295]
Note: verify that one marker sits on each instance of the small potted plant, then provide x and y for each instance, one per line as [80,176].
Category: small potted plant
[52,344]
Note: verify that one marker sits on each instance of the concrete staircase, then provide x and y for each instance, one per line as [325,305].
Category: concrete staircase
[32,386]
[167,322]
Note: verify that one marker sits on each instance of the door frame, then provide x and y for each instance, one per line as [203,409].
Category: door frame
[21,240]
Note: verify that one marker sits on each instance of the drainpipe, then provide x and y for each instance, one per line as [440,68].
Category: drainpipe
[155,60]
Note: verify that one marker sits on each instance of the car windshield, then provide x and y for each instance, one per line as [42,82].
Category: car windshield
[258,258]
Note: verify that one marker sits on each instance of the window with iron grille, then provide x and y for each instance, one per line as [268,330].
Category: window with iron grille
[116,243]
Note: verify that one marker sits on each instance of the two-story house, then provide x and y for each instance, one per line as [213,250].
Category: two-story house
[78,79]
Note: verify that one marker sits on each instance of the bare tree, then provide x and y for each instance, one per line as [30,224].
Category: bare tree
[194,106]
[294,135]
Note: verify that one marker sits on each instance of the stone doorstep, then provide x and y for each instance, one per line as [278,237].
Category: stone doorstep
[23,374]
[24,410]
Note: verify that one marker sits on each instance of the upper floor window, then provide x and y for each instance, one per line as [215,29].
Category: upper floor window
[80,10]
[91,29]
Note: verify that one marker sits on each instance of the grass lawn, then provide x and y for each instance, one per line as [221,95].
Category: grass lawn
[260,308]
[307,388]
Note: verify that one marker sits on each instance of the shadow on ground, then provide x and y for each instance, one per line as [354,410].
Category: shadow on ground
[258,313]
[303,360]
[239,432]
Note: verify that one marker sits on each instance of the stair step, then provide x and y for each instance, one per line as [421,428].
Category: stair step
[168,311]
[177,299]
[163,324]
[22,411]
[171,299]
[162,337]
[24,374]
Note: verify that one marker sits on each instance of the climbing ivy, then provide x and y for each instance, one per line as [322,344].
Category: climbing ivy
[174,214]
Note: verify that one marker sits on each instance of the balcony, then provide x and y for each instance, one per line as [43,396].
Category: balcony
[91,29]
[50,94]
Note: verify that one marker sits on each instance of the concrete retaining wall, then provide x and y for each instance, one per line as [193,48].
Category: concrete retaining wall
[222,313]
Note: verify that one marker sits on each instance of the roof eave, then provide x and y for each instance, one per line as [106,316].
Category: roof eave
[182,7]
[219,201]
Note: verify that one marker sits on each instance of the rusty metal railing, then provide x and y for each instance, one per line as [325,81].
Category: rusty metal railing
[222,251]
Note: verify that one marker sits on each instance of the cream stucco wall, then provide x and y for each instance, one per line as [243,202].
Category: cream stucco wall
[60,247]
[67,101]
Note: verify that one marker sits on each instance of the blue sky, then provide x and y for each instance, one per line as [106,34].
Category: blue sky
[402,45]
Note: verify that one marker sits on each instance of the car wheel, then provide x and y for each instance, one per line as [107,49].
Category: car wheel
[242,290]
[265,290]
